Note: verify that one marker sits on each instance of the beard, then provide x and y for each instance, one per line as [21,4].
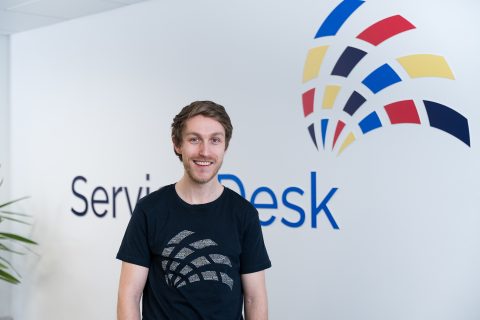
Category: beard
[197,176]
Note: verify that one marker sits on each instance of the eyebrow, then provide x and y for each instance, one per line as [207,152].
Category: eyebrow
[198,134]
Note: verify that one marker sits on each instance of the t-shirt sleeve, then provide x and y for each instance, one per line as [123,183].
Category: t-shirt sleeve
[135,248]
[254,256]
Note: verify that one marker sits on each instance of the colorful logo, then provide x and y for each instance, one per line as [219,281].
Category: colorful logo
[337,130]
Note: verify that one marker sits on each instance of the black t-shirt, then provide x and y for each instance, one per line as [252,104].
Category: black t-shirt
[195,254]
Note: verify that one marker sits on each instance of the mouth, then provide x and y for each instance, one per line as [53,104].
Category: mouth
[203,163]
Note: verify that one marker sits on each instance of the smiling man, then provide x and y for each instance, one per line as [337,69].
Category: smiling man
[194,249]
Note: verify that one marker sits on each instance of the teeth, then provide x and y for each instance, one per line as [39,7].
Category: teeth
[203,163]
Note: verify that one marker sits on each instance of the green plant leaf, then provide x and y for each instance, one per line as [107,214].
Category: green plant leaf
[13,219]
[15,213]
[27,248]
[13,201]
[8,277]
[5,265]
[16,237]
[5,248]
[10,265]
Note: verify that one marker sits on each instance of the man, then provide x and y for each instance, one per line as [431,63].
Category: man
[194,249]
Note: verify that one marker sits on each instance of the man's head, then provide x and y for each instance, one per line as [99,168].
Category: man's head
[207,109]
[200,135]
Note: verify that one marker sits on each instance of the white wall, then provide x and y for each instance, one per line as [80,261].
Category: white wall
[4,114]
[95,97]
[5,291]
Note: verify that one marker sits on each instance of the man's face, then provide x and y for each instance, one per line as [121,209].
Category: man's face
[202,148]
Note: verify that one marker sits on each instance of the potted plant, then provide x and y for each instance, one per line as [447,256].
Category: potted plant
[9,242]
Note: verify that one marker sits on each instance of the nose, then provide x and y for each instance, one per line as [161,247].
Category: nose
[204,149]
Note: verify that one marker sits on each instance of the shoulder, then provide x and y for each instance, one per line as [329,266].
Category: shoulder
[238,199]
[240,205]
[156,199]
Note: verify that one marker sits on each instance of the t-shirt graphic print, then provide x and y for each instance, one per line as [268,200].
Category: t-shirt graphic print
[186,260]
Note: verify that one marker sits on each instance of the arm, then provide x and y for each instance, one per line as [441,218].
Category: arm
[255,296]
[132,282]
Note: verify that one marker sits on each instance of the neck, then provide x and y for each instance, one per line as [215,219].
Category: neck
[198,193]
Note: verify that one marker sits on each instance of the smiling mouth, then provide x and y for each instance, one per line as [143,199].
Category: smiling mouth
[203,163]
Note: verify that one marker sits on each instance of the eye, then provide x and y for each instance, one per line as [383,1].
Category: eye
[193,140]
[216,140]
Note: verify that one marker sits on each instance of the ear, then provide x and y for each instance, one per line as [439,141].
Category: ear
[178,149]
